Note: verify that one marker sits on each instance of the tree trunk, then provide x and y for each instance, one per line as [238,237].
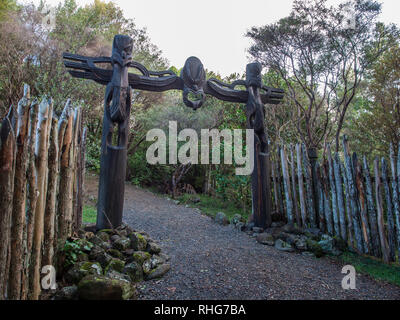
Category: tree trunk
[396,200]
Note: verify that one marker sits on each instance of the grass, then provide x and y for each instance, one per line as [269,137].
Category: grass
[373,267]
[89,214]
[211,205]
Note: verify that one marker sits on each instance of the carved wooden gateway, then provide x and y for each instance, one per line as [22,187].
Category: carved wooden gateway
[117,106]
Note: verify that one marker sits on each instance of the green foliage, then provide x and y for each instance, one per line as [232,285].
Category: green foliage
[233,189]
[89,214]
[373,267]
[210,205]
[73,248]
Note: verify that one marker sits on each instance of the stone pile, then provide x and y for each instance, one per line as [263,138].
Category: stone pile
[117,260]
[286,237]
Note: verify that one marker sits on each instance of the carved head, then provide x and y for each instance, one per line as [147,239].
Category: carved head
[122,50]
[194,79]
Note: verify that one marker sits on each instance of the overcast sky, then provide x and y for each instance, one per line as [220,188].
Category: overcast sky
[212,30]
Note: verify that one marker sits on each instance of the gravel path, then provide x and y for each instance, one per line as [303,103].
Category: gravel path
[209,261]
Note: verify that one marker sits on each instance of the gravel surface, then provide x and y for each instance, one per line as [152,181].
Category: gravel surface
[209,261]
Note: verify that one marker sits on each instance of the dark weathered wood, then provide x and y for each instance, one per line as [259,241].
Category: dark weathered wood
[19,198]
[255,110]
[286,185]
[380,219]
[7,170]
[363,209]
[349,226]
[355,211]
[395,198]
[335,216]
[294,189]
[389,213]
[376,250]
[301,186]
[50,207]
[309,190]
[274,182]
[340,196]
[45,110]
[64,201]
[279,182]
[32,195]
[321,204]
[327,201]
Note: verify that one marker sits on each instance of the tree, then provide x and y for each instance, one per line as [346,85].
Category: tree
[322,60]
[376,117]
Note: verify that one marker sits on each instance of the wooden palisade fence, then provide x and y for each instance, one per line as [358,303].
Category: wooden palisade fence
[348,200]
[41,170]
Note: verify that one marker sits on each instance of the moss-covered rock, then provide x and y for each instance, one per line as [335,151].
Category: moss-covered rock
[158,272]
[103,236]
[153,247]
[98,287]
[108,231]
[138,242]
[315,248]
[134,270]
[140,256]
[82,269]
[122,244]
[115,253]
[115,264]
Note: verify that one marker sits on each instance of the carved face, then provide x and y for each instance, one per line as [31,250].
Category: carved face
[122,49]
[194,79]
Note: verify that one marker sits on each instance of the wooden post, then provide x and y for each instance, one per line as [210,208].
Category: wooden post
[275,183]
[279,180]
[376,250]
[327,202]
[41,168]
[260,185]
[333,193]
[396,200]
[19,198]
[321,203]
[389,212]
[350,230]
[286,184]
[65,197]
[77,136]
[379,205]
[32,196]
[301,186]
[355,212]
[50,207]
[363,209]
[294,189]
[340,197]
[7,170]
[310,195]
